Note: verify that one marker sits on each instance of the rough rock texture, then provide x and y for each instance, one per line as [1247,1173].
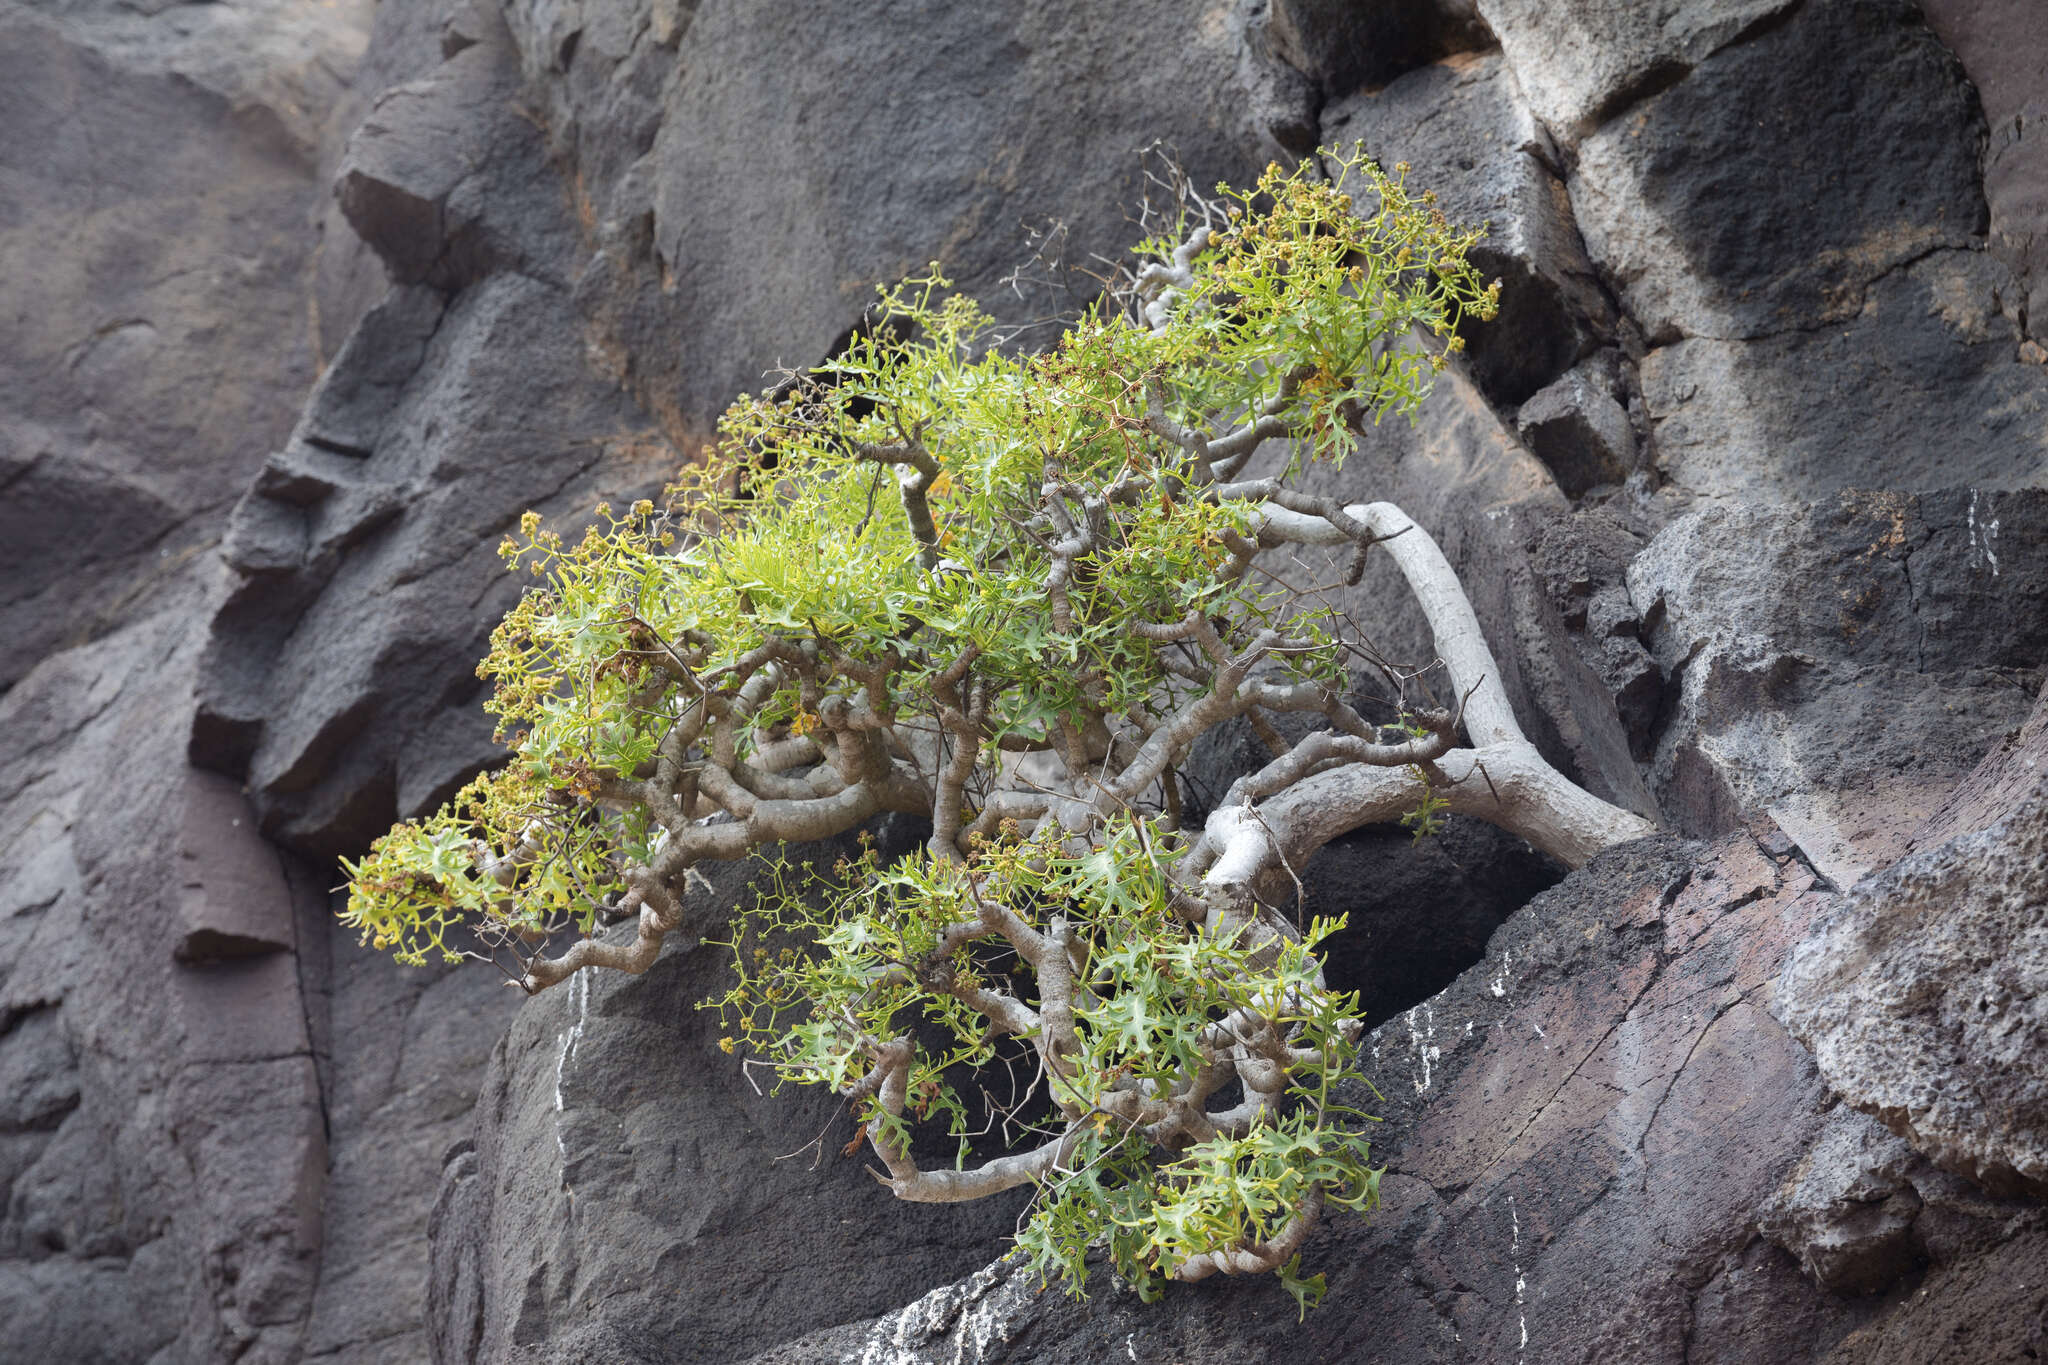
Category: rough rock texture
[333,683]
[1925,997]
[1746,483]
[1584,61]
[748,183]
[166,1156]
[1843,661]
[1343,44]
[1577,426]
[1463,128]
[1581,561]
[2005,48]
[1806,261]
[192,1164]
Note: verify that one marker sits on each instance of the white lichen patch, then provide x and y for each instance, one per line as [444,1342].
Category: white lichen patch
[955,1323]
[1422,1040]
[1983,535]
[580,989]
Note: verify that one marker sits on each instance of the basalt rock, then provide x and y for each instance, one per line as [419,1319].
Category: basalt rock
[1468,136]
[155,187]
[1842,664]
[659,1193]
[1806,266]
[1925,996]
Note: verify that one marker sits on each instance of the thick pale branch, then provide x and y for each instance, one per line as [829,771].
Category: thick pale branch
[1507,784]
[1489,719]
[1257,1260]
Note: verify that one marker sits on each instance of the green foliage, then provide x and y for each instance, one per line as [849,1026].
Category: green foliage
[856,541]
[823,969]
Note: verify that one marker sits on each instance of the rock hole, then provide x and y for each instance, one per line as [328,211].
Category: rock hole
[1419,912]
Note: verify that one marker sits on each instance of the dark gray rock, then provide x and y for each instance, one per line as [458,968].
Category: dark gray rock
[234,897]
[1345,44]
[1579,430]
[1805,263]
[408,1048]
[434,177]
[750,183]
[1463,881]
[332,683]
[2004,47]
[164,1152]
[153,344]
[1582,560]
[168,1063]
[1924,388]
[331,680]
[1847,1213]
[1582,1135]
[1836,188]
[1464,129]
[1584,61]
[631,1187]
[197,1153]
[1280,101]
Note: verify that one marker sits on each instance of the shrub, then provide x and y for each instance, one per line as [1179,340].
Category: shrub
[1007,594]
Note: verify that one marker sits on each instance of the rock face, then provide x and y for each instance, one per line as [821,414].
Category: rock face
[1828,656]
[214,1119]
[1811,276]
[1747,483]
[175,174]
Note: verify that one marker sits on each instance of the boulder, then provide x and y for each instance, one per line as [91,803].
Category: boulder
[1579,429]
[1581,561]
[1924,997]
[333,683]
[1847,1211]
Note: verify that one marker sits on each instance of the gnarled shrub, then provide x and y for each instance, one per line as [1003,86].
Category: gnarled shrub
[1007,594]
